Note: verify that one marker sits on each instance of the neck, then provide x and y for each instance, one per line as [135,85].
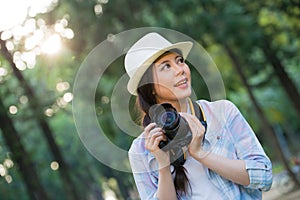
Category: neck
[181,106]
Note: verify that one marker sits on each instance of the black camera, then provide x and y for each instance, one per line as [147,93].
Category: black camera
[175,128]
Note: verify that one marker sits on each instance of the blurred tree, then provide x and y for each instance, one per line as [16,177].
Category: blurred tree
[71,190]
[276,38]
[33,184]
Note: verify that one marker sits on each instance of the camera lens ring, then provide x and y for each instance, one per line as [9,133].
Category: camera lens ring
[168,118]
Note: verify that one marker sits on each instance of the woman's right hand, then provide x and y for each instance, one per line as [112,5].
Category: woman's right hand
[153,136]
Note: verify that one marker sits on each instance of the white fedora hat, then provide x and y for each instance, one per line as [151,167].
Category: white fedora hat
[144,52]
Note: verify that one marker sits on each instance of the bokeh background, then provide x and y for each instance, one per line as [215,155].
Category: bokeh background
[254,44]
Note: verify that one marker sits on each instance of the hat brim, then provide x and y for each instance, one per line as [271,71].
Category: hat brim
[184,47]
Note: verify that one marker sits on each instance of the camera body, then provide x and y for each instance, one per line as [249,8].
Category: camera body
[175,128]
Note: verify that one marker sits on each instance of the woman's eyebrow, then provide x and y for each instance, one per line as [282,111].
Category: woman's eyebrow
[165,61]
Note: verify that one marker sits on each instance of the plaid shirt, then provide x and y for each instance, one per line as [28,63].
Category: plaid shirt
[229,135]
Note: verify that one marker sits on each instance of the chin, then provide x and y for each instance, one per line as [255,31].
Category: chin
[184,95]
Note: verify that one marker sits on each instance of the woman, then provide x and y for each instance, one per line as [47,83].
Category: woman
[223,161]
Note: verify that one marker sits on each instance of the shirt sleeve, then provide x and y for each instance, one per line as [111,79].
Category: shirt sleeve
[145,181]
[249,149]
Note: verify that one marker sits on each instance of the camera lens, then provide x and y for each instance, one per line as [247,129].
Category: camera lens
[168,118]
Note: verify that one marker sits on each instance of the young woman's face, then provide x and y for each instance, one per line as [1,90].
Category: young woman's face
[172,78]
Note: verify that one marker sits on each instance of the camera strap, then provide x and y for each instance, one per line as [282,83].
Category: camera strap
[199,113]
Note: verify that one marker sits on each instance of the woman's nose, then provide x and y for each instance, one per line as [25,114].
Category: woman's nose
[179,70]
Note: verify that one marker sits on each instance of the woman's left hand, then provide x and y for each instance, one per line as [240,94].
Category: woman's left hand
[198,131]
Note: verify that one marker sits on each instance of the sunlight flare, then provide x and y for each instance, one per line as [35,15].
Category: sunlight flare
[12,13]
[52,45]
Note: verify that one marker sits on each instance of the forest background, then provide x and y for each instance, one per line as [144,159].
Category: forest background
[254,44]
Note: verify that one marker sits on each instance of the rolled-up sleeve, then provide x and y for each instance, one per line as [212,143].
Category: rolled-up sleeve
[260,174]
[249,149]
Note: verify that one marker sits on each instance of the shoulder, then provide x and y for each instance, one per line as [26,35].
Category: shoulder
[222,110]
[220,105]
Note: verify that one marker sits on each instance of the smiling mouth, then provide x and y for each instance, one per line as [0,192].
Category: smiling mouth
[182,82]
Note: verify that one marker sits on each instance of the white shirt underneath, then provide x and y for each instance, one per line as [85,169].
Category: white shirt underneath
[201,187]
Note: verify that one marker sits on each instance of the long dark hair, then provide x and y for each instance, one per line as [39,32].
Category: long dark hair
[146,99]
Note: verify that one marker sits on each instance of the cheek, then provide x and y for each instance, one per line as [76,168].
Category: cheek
[163,81]
[187,71]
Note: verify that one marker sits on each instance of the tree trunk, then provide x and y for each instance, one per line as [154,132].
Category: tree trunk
[122,187]
[288,85]
[270,55]
[21,156]
[90,178]
[64,170]
[269,130]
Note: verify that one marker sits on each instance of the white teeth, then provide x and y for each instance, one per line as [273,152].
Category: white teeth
[181,82]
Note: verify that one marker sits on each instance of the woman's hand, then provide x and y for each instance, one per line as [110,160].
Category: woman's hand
[153,136]
[198,130]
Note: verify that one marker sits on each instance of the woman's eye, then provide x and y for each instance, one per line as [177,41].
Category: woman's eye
[165,67]
[180,60]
